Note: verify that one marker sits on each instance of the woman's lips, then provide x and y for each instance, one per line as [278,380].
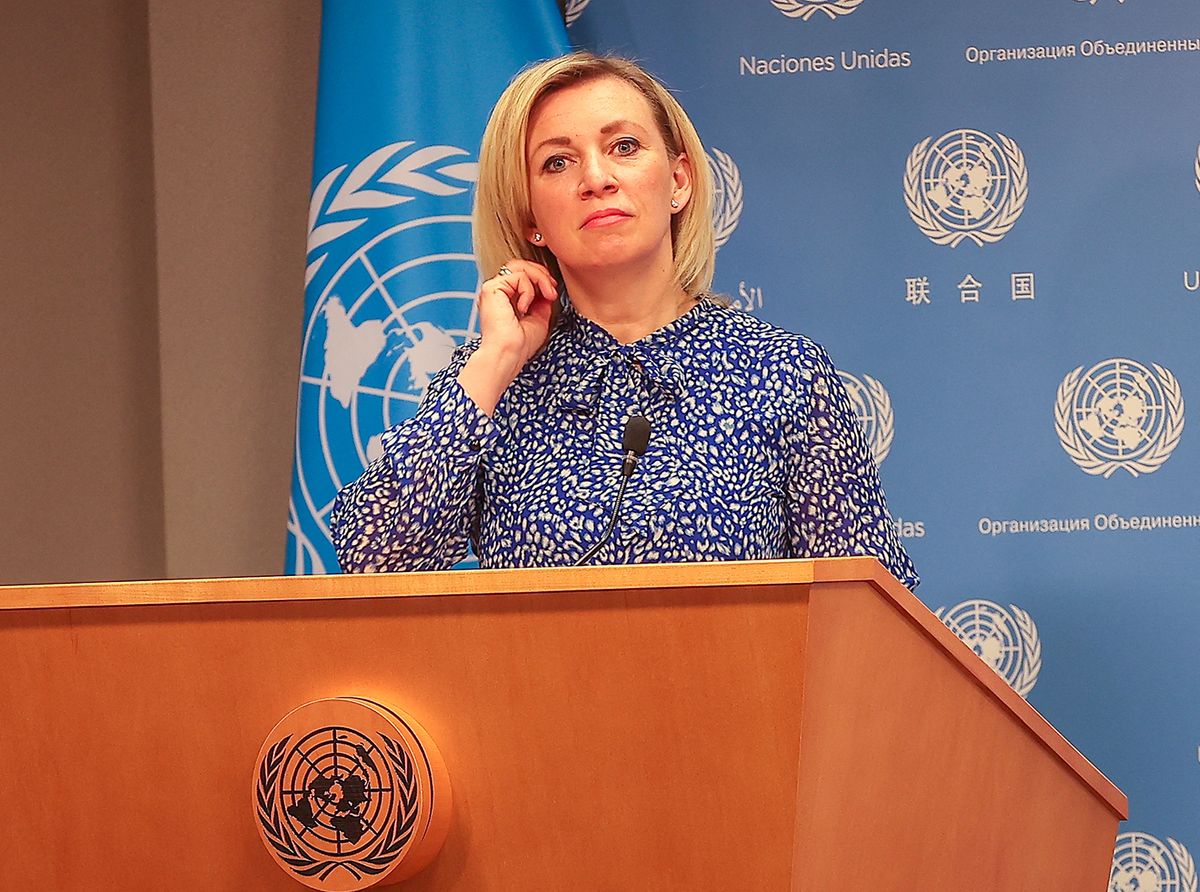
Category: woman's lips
[604,218]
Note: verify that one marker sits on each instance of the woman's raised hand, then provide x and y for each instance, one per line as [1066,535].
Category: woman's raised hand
[515,309]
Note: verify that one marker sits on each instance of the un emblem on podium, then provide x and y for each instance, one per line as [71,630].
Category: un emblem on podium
[1119,414]
[1007,640]
[344,795]
[965,185]
[1141,863]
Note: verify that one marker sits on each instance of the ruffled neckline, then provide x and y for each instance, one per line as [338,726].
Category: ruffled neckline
[591,334]
[582,353]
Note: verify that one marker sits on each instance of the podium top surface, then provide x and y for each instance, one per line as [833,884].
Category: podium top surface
[441,583]
[467,583]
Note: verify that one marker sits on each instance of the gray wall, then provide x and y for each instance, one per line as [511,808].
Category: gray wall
[155,166]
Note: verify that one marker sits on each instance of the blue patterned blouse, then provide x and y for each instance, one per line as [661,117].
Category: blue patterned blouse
[754,453]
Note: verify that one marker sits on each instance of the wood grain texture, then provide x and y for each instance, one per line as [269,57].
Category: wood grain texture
[911,778]
[698,727]
[394,585]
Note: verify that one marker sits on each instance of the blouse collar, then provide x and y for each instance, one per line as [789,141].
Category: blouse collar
[582,352]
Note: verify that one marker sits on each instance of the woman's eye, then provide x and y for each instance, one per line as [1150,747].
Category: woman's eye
[555,164]
[626,146]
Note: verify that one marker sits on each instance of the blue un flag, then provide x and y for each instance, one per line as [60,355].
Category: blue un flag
[405,90]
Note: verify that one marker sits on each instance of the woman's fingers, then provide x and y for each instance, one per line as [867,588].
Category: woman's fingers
[536,277]
[516,305]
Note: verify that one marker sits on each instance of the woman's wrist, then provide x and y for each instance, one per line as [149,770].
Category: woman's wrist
[487,374]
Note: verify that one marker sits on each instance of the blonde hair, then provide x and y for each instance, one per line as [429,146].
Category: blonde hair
[502,213]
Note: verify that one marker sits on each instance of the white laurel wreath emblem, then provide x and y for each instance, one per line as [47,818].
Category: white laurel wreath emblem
[359,192]
[806,9]
[885,419]
[1031,646]
[1030,663]
[877,420]
[1187,867]
[728,185]
[1086,458]
[573,9]
[927,221]
[1198,168]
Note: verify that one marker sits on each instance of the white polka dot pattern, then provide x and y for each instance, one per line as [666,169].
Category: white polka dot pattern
[754,453]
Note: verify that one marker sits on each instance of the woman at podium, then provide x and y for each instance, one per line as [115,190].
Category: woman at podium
[612,410]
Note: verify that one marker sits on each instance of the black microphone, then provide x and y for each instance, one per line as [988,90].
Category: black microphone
[633,444]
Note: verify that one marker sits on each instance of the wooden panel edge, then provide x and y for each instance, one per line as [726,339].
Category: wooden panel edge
[406,585]
[916,612]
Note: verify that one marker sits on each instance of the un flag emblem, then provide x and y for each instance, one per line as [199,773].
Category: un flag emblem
[1119,414]
[1007,640]
[965,185]
[1141,862]
[391,293]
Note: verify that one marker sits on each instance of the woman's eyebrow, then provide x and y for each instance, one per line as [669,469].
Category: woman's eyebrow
[611,127]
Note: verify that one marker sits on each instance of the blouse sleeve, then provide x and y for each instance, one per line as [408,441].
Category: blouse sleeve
[415,507]
[836,504]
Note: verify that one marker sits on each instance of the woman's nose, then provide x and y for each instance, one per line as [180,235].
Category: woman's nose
[596,175]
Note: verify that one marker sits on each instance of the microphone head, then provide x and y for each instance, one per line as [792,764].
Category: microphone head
[637,435]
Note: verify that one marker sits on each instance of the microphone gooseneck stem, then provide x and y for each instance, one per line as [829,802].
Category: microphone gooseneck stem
[612,520]
[634,440]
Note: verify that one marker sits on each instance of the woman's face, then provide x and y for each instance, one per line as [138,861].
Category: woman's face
[600,178]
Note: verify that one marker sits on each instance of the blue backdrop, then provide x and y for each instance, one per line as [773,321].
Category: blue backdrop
[990,215]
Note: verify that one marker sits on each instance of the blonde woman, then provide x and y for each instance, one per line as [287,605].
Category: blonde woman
[593,218]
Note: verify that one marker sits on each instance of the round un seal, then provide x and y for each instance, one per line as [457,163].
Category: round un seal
[1142,863]
[1007,640]
[1119,414]
[873,409]
[343,795]
[965,185]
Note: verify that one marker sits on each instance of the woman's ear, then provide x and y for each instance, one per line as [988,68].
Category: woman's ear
[681,179]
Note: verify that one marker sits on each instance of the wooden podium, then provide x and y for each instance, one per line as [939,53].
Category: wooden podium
[780,725]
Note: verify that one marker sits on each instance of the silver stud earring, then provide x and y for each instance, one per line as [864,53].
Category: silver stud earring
[537,237]
[674,203]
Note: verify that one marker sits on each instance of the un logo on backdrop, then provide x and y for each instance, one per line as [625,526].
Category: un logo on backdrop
[727,195]
[385,320]
[573,9]
[806,9]
[1119,414]
[1198,168]
[1141,863]
[1007,640]
[873,408]
[965,185]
